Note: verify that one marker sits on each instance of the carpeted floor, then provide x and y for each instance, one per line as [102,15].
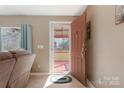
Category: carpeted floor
[43,81]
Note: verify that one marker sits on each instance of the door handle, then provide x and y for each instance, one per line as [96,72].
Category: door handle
[83,50]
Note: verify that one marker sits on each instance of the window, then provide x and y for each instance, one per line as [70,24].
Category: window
[10,38]
[62,43]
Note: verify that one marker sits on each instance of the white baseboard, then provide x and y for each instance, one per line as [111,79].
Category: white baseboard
[89,83]
[40,73]
[33,73]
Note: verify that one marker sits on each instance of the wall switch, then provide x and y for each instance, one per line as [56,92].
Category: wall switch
[40,46]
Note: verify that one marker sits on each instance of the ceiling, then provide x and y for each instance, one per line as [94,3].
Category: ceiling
[50,10]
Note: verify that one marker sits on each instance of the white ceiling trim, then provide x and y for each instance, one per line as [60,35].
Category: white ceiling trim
[50,10]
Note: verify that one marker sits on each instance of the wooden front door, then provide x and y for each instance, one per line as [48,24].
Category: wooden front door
[78,46]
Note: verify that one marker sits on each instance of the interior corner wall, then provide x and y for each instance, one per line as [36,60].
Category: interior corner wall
[40,26]
[106,47]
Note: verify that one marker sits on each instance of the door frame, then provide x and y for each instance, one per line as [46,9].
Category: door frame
[51,45]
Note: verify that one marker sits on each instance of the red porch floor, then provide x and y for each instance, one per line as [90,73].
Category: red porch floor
[61,66]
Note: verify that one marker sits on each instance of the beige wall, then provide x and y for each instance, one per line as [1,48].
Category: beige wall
[40,26]
[106,48]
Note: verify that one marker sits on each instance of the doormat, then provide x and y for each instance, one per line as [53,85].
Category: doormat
[60,79]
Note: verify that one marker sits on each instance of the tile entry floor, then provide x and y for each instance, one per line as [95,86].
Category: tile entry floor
[43,81]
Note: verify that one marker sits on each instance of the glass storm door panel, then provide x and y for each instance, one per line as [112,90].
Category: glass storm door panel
[61,48]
